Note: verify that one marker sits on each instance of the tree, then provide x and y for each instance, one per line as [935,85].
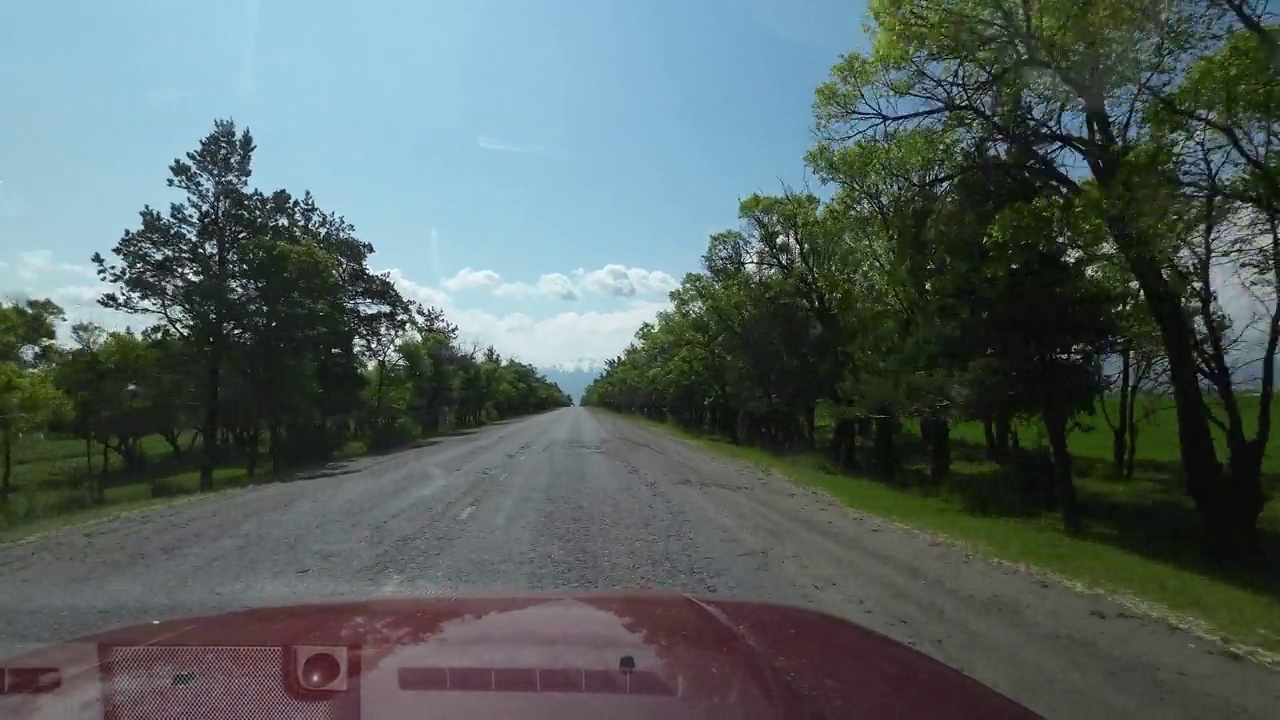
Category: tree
[1060,88]
[186,267]
[268,330]
[27,398]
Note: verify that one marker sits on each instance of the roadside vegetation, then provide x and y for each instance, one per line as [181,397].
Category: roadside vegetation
[1035,304]
[267,345]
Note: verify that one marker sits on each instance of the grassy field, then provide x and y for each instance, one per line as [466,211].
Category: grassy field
[52,481]
[52,478]
[1140,540]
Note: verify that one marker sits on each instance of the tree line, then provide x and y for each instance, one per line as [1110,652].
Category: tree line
[1032,207]
[268,338]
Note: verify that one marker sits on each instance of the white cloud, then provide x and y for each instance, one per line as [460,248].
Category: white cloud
[622,281]
[422,293]
[79,303]
[585,338]
[554,285]
[565,338]
[516,291]
[569,338]
[558,286]
[491,143]
[78,295]
[469,279]
[550,285]
[613,279]
[32,263]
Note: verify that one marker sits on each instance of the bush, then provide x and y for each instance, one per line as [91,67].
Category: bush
[392,433]
[165,487]
[1013,490]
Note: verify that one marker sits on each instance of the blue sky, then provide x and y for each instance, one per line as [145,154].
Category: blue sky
[542,171]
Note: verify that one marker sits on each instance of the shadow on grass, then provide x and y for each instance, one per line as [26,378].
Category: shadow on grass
[1148,515]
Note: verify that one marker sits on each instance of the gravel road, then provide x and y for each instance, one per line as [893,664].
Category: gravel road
[577,499]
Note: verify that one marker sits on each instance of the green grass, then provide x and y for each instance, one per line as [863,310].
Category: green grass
[114,506]
[51,478]
[51,481]
[1140,538]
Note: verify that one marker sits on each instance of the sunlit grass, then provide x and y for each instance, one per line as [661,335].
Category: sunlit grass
[51,481]
[51,490]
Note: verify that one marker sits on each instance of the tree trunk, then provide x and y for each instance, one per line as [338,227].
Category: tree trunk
[1063,483]
[1001,452]
[1132,451]
[252,448]
[939,438]
[6,436]
[96,488]
[844,444]
[378,389]
[273,446]
[989,432]
[1204,473]
[209,429]
[886,427]
[1119,444]
[1231,523]
[131,455]
[174,445]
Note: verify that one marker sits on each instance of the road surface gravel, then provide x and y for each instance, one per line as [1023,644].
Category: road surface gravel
[577,499]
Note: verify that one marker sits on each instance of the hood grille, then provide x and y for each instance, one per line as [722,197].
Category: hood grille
[196,683]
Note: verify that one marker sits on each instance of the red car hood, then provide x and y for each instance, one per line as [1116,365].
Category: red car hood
[615,656]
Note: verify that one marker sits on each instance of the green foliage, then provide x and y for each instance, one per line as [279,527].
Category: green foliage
[271,339]
[1026,194]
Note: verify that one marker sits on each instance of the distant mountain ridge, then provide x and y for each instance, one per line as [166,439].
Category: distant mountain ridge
[578,365]
[573,377]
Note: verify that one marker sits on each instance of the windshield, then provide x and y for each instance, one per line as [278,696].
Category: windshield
[951,321]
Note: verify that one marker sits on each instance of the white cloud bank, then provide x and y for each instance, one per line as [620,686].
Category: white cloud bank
[34,263]
[625,282]
[582,338]
[550,285]
[568,339]
[612,280]
[468,279]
